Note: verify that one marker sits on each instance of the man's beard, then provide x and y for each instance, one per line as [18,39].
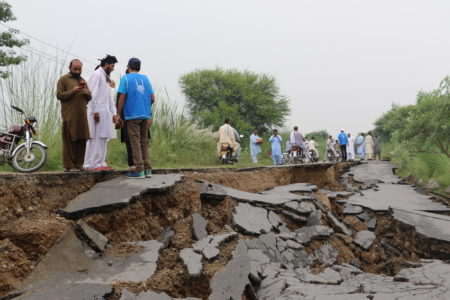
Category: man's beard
[75,75]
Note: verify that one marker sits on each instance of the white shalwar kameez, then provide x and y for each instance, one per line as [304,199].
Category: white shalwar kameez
[351,148]
[103,104]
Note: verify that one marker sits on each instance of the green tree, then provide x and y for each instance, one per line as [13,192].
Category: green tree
[391,123]
[422,127]
[248,99]
[321,134]
[428,125]
[9,40]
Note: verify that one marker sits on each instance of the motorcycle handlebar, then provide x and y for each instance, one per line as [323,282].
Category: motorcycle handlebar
[18,109]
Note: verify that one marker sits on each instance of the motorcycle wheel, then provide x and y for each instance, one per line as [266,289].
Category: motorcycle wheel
[24,164]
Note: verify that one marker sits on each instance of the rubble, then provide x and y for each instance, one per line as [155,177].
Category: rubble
[288,244]
[364,239]
[251,219]
[95,239]
[199,226]
[192,261]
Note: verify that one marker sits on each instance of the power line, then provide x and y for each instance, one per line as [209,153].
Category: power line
[44,54]
[50,45]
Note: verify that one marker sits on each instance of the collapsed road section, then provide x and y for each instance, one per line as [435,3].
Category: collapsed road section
[320,231]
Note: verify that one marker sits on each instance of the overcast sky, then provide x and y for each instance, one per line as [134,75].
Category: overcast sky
[342,63]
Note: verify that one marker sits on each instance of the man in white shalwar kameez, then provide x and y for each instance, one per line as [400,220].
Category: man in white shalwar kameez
[368,143]
[350,147]
[101,115]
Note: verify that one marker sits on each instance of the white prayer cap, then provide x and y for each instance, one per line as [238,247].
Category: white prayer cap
[342,130]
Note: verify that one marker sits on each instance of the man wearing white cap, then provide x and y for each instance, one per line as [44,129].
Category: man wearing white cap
[343,142]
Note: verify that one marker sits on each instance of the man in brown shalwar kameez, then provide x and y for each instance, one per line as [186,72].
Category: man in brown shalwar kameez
[74,95]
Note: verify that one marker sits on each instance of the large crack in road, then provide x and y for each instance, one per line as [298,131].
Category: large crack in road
[322,231]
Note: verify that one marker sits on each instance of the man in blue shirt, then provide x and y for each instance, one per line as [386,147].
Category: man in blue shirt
[135,107]
[343,141]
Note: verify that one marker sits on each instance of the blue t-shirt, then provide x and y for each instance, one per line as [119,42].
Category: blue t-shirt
[343,140]
[138,103]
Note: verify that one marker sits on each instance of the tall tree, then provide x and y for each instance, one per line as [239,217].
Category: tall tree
[429,123]
[9,40]
[248,99]
[424,126]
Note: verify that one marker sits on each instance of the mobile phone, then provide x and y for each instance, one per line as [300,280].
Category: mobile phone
[82,84]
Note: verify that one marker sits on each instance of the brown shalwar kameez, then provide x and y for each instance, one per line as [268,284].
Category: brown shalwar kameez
[75,129]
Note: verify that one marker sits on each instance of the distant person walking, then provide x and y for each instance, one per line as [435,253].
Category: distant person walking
[351,147]
[275,140]
[330,147]
[368,145]
[135,106]
[343,142]
[360,146]
[237,138]
[74,95]
[101,115]
[255,146]
[377,146]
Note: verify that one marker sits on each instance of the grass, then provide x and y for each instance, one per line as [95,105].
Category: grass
[177,141]
[424,166]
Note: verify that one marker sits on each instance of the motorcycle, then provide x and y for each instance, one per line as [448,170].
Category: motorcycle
[226,155]
[294,156]
[331,157]
[312,156]
[28,156]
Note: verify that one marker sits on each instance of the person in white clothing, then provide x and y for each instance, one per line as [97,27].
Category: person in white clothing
[350,147]
[102,114]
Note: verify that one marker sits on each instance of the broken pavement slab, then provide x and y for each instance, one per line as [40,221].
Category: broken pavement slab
[192,261]
[396,196]
[95,239]
[215,191]
[374,172]
[67,291]
[137,267]
[430,225]
[252,220]
[230,283]
[365,239]
[306,234]
[199,226]
[150,295]
[118,192]
[292,188]
[339,225]
[350,209]
[209,246]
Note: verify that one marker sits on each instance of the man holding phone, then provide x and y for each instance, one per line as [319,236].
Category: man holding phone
[74,96]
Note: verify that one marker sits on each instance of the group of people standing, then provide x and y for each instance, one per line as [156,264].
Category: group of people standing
[90,116]
[348,148]
[296,139]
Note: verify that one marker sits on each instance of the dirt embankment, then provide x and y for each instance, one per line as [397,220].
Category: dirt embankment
[27,235]
[30,224]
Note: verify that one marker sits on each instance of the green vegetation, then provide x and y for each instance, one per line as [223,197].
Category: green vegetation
[418,136]
[9,40]
[251,100]
[177,141]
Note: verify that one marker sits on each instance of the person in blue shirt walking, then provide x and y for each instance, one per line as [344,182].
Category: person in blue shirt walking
[343,142]
[275,140]
[135,107]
